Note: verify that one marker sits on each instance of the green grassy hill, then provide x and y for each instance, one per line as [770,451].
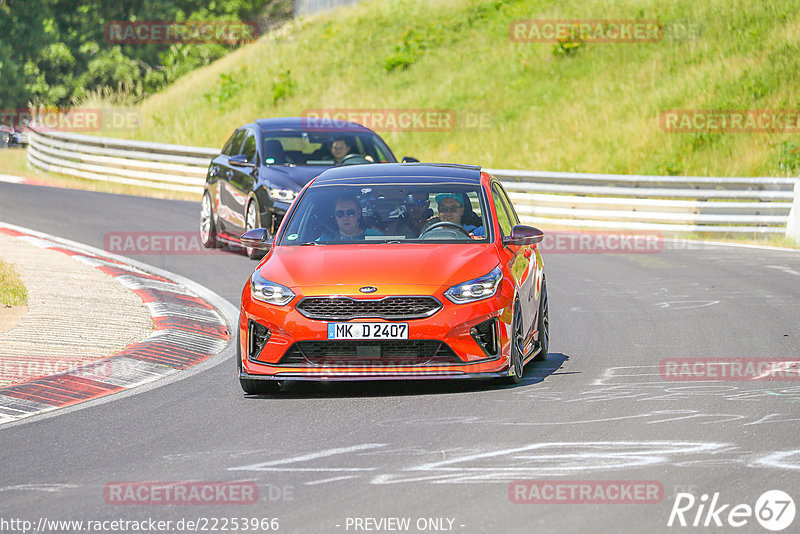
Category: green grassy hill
[594,108]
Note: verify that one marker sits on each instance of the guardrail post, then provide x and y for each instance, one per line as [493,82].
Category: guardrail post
[793,224]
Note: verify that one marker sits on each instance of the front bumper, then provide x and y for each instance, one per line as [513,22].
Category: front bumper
[371,374]
[451,325]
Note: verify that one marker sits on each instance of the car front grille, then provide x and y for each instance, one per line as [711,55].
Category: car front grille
[382,353]
[346,308]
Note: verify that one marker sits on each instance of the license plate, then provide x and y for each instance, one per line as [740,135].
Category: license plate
[367,330]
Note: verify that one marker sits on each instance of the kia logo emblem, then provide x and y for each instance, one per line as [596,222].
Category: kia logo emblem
[368,289]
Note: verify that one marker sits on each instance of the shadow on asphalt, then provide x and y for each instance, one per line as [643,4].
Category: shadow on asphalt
[535,372]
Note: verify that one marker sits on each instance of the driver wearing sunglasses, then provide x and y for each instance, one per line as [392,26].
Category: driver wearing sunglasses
[451,209]
[347,213]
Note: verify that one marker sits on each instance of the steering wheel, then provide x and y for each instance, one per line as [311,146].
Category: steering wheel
[445,224]
[351,159]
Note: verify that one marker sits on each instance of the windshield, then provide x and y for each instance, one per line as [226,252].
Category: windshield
[406,212]
[317,148]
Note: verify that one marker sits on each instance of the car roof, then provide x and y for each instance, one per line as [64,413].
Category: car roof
[384,172]
[309,123]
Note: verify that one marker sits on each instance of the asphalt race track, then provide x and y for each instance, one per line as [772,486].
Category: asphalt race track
[324,455]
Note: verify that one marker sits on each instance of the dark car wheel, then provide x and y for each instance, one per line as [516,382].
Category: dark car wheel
[250,386]
[252,220]
[517,347]
[208,230]
[543,324]
[4,140]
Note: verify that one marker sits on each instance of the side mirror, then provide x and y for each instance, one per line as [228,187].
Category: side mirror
[409,159]
[240,160]
[257,238]
[524,235]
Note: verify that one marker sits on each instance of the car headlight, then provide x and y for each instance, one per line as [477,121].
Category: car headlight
[477,289]
[269,292]
[282,195]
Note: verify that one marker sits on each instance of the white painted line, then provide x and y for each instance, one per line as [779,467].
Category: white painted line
[14,406]
[270,466]
[12,179]
[188,340]
[332,479]
[131,373]
[783,268]
[36,241]
[137,282]
[162,309]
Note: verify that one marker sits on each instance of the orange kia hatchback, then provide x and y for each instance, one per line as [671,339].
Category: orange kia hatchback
[394,271]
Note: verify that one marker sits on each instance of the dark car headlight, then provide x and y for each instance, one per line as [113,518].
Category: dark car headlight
[476,289]
[282,195]
[270,292]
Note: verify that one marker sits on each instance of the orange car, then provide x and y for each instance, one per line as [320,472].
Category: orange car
[394,271]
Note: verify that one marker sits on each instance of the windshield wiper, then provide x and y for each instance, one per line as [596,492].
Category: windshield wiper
[307,243]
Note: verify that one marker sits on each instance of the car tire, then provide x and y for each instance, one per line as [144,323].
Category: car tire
[250,386]
[543,324]
[208,230]
[517,340]
[252,219]
[4,140]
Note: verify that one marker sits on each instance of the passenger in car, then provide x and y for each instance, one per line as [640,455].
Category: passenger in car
[418,212]
[347,212]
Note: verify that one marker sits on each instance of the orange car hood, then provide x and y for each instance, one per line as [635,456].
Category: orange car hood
[373,264]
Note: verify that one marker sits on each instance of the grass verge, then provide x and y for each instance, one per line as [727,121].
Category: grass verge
[12,290]
[584,107]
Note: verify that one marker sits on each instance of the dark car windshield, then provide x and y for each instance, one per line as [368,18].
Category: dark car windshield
[314,147]
[388,213]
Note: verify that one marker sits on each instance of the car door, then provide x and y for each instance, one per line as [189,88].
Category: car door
[243,179]
[223,171]
[521,260]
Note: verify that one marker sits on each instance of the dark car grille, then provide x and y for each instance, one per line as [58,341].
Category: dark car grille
[385,353]
[344,308]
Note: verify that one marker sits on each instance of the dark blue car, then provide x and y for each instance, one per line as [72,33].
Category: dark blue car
[266,163]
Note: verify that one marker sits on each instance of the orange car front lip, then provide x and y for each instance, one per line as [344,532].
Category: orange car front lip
[371,374]
[450,325]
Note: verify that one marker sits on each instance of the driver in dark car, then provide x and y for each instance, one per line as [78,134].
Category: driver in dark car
[451,209]
[340,150]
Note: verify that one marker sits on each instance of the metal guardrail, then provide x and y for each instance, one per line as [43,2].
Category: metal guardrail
[308,7]
[659,203]
[763,205]
[139,163]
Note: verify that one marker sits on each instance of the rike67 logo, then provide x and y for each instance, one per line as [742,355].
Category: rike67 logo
[774,510]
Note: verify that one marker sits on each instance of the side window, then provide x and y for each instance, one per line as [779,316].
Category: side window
[381,156]
[232,147]
[509,206]
[502,214]
[249,147]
